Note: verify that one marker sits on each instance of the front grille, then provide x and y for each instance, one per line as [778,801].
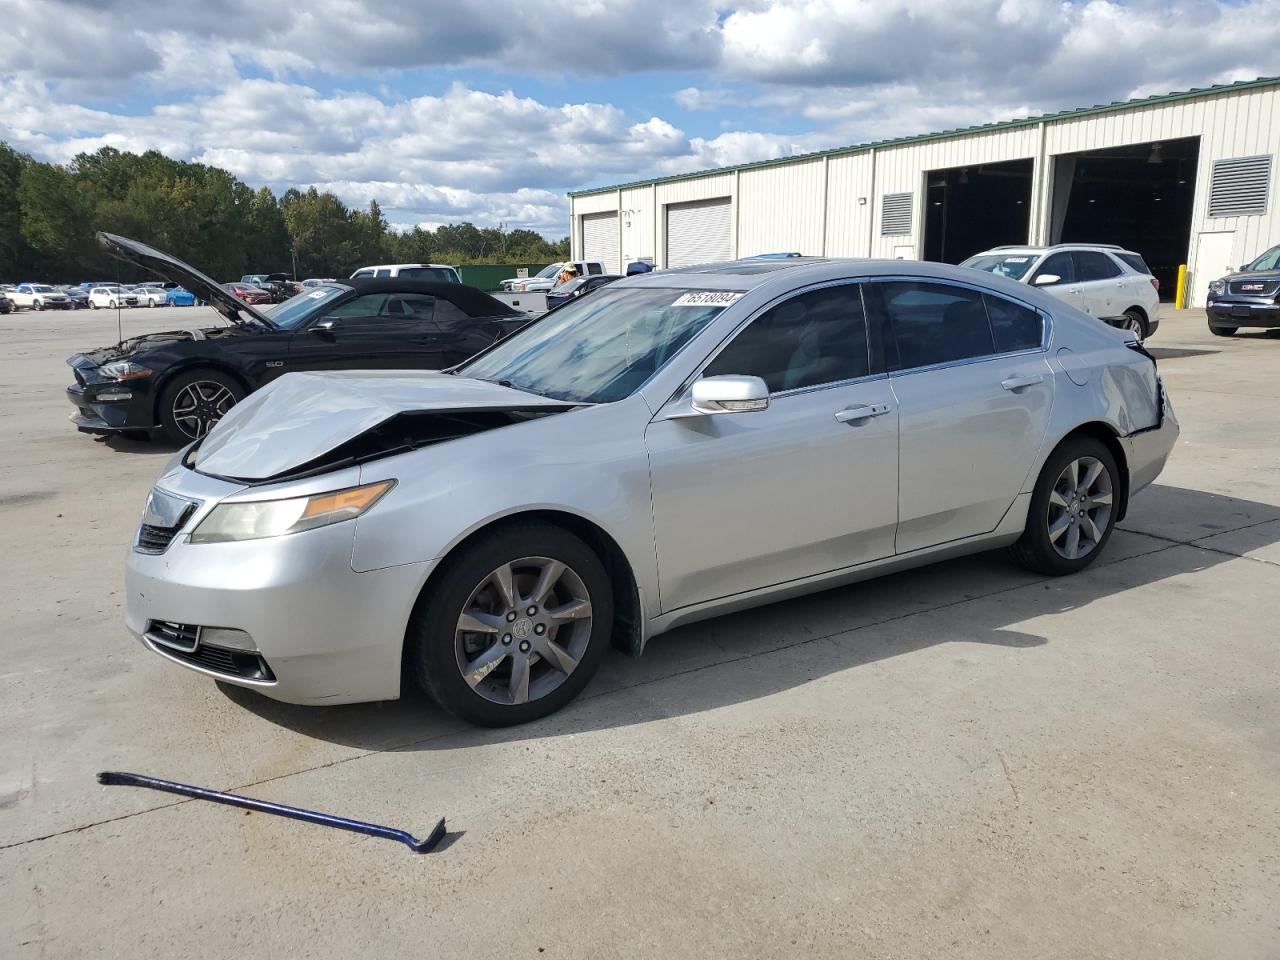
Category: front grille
[155,539]
[1254,288]
[181,641]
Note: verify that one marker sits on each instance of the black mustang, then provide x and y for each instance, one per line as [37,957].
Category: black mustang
[181,382]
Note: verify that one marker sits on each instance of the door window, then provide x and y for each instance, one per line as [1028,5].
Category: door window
[817,337]
[1014,326]
[1091,265]
[409,307]
[935,322]
[595,268]
[1059,265]
[448,312]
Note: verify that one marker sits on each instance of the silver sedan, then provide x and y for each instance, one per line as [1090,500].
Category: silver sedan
[678,445]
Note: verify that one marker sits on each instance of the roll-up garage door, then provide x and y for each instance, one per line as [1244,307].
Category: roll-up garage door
[600,239]
[699,232]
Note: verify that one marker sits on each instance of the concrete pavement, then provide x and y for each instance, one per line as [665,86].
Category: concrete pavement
[961,761]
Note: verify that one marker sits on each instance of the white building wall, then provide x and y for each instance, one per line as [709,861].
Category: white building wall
[780,209]
[813,205]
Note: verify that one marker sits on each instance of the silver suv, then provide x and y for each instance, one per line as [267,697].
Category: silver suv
[1106,281]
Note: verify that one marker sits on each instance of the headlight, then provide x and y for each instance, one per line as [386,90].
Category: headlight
[275,518]
[1217,286]
[124,370]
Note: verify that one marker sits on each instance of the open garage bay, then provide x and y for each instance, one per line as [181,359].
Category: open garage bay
[961,761]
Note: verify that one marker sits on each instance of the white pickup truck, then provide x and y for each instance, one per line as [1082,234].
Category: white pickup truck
[546,277]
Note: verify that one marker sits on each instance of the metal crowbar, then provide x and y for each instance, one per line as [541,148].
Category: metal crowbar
[112,778]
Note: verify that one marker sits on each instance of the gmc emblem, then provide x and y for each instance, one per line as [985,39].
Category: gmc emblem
[1251,286]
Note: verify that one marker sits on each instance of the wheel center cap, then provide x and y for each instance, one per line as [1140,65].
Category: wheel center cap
[522,628]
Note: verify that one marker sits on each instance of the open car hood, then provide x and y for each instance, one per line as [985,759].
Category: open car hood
[303,420]
[171,268]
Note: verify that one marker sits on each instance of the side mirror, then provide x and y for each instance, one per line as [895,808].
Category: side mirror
[730,394]
[1044,279]
[326,329]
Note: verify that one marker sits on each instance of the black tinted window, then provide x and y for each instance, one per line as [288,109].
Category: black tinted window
[936,323]
[1015,327]
[1136,262]
[409,307]
[1059,265]
[1091,265]
[817,337]
[594,268]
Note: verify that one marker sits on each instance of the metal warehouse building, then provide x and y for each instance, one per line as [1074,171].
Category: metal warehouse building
[1184,178]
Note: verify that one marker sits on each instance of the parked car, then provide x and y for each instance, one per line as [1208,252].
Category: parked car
[179,297]
[112,297]
[181,382]
[1108,282]
[249,293]
[441,272]
[545,279]
[579,287]
[279,285]
[79,298]
[583,481]
[1250,297]
[39,296]
[151,296]
[6,305]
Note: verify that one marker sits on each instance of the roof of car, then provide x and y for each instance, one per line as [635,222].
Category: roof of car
[474,302]
[1031,248]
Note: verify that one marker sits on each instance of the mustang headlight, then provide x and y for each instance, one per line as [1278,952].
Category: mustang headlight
[1217,287]
[275,518]
[124,370]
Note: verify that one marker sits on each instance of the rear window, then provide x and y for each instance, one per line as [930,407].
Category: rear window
[442,274]
[1136,262]
[1091,265]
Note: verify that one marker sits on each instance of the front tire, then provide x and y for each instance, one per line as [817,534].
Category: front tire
[37,304]
[1073,509]
[514,627]
[193,402]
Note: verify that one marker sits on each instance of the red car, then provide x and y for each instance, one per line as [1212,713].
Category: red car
[248,293]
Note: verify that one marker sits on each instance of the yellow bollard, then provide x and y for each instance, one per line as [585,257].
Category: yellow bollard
[1180,298]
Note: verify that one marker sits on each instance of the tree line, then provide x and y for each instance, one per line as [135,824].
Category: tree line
[49,214]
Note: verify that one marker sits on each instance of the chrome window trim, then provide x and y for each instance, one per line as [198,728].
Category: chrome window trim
[1046,331]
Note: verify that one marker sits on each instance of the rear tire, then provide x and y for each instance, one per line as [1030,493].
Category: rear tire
[1072,514]
[516,624]
[1223,331]
[193,402]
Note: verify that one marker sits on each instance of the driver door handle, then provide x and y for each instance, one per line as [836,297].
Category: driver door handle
[1027,380]
[861,411]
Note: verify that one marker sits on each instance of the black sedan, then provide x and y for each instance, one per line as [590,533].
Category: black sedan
[1249,297]
[182,381]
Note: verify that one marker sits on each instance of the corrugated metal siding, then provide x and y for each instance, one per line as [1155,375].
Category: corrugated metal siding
[849,206]
[780,210]
[638,228]
[1240,186]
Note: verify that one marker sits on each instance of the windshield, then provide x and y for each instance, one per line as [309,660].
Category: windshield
[41,288]
[1268,261]
[546,273]
[1011,265]
[290,314]
[602,348]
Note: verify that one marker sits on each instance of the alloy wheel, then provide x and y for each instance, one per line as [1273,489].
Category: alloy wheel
[199,405]
[1080,508]
[523,630]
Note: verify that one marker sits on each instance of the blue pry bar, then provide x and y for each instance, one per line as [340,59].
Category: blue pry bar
[112,778]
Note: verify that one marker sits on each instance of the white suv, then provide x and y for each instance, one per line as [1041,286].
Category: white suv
[440,272]
[1109,282]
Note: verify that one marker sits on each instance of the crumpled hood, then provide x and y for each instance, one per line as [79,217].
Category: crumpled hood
[302,416]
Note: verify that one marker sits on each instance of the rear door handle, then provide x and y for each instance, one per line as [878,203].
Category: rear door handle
[1027,380]
[862,411]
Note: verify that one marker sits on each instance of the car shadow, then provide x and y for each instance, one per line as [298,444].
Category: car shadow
[136,446]
[835,630]
[1179,353]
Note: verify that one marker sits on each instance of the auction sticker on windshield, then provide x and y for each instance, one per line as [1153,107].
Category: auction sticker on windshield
[707,298]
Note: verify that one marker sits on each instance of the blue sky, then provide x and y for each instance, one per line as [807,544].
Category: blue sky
[490,111]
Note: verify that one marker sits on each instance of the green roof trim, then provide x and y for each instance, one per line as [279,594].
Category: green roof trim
[946,134]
